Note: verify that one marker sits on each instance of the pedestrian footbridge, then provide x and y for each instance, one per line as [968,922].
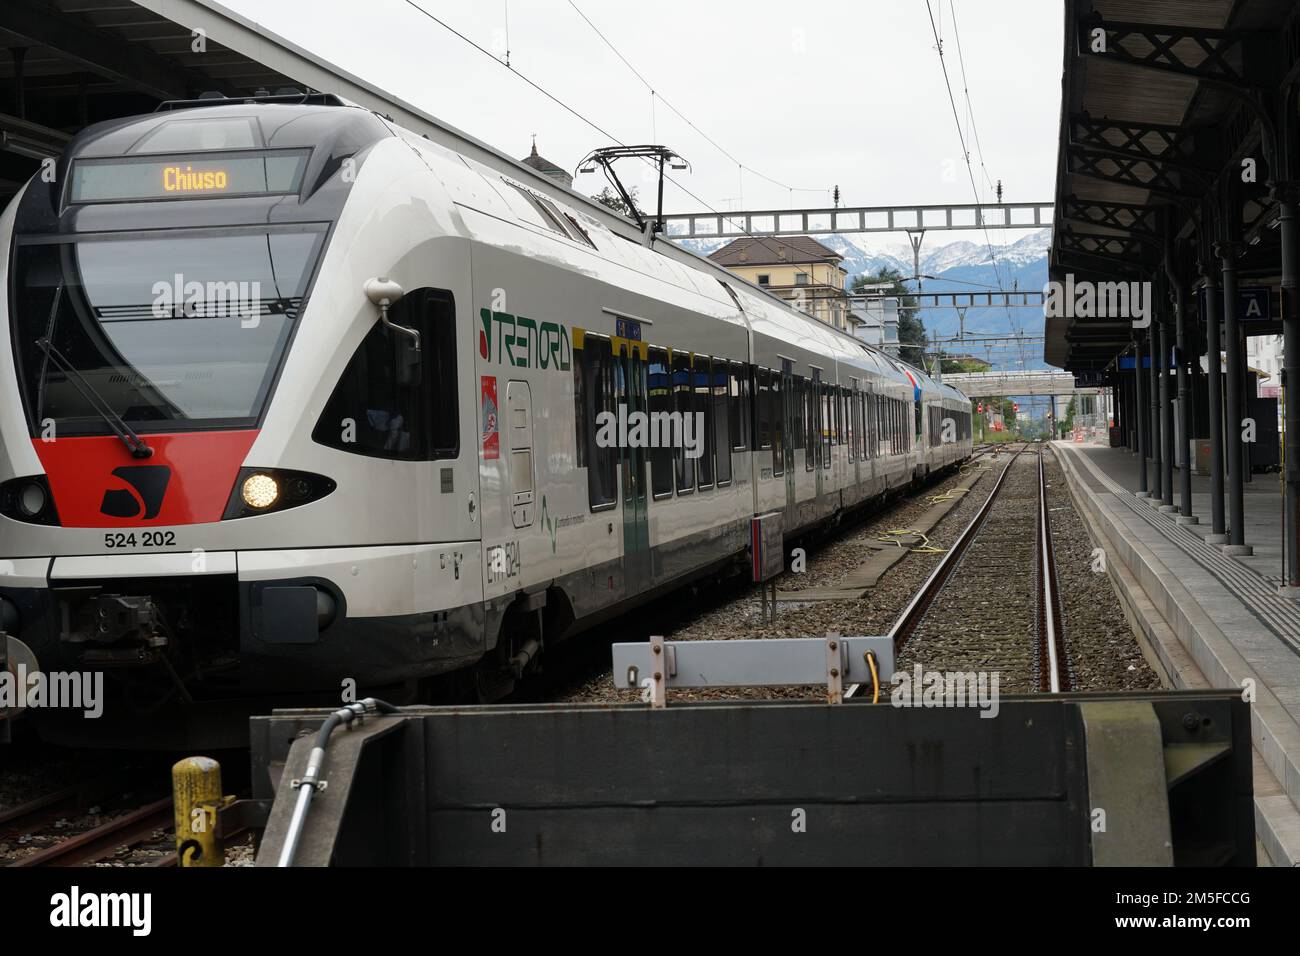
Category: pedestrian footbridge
[989,384]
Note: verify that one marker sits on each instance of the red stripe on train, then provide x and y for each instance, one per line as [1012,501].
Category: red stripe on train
[96,483]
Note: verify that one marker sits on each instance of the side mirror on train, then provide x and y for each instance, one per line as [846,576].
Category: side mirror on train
[384,293]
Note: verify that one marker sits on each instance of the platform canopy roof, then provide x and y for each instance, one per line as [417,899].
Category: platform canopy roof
[65,64]
[1161,102]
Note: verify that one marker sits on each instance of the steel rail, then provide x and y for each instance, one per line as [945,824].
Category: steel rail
[99,842]
[911,616]
[1053,677]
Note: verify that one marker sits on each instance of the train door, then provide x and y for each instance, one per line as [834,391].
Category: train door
[633,392]
[789,410]
[519,425]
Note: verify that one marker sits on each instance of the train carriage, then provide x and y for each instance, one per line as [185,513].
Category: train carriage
[298,398]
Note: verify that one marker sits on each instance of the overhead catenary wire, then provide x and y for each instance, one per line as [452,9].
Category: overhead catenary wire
[741,231]
[952,100]
[569,109]
[680,115]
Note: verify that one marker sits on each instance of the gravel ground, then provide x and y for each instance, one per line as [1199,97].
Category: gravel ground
[1102,651]
[984,618]
[740,615]
[1100,647]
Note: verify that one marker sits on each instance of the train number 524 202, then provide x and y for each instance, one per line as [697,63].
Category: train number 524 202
[143,539]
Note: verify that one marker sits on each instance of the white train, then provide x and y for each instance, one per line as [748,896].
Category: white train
[233,463]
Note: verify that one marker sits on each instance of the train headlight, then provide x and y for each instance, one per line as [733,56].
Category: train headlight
[32,499]
[29,500]
[260,491]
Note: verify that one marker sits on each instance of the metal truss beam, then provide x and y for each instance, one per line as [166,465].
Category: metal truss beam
[1095,244]
[1208,55]
[1140,222]
[1172,146]
[1126,172]
[855,219]
[962,300]
[1100,264]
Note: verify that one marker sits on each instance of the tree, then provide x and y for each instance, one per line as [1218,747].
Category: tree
[912,339]
[607,197]
[967,364]
[1066,425]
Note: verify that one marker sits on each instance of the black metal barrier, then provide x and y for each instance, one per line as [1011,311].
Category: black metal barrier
[1073,779]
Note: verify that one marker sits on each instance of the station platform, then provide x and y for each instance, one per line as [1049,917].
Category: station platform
[1207,619]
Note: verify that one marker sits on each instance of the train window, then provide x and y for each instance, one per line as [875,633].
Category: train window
[736,406]
[578,231]
[763,409]
[550,215]
[827,423]
[853,424]
[844,417]
[869,432]
[703,409]
[862,425]
[722,419]
[878,423]
[837,408]
[579,409]
[797,406]
[886,426]
[809,424]
[683,404]
[777,416]
[374,411]
[597,362]
[661,403]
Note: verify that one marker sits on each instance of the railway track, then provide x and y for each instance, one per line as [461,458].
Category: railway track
[128,829]
[992,604]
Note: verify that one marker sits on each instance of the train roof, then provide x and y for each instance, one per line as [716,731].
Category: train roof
[311,114]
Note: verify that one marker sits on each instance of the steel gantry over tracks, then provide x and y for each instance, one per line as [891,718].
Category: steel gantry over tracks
[988,384]
[853,219]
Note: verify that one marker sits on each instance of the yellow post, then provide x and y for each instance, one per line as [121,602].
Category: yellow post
[196,795]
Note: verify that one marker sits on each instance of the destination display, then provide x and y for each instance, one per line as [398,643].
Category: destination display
[193,177]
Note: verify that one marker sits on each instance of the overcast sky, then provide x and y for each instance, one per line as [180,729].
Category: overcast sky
[852,94]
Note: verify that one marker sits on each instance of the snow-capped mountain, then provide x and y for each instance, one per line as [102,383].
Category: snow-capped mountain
[861,258]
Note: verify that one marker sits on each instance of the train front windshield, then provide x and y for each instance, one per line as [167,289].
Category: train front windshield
[168,331]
